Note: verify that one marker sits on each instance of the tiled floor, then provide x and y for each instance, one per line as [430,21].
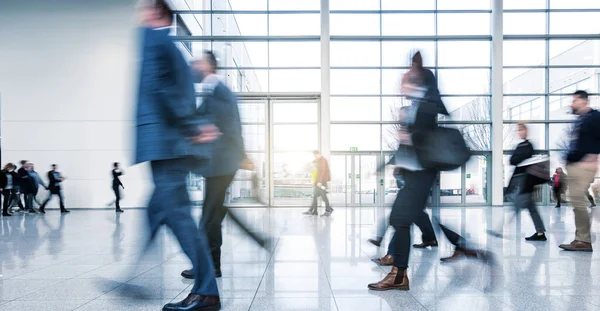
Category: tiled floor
[87,260]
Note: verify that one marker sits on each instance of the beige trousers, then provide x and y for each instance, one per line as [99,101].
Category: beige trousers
[579,183]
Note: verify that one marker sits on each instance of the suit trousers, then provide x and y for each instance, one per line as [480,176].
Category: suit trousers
[54,192]
[408,208]
[9,196]
[170,205]
[213,213]
[579,182]
[117,191]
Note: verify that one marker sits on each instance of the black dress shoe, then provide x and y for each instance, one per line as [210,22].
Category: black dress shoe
[42,211]
[64,210]
[433,243]
[6,214]
[376,241]
[536,237]
[195,302]
[189,274]
[119,210]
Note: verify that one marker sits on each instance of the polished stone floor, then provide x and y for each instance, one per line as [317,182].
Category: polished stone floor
[87,260]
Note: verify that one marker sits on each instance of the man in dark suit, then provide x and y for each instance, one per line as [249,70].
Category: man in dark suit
[27,187]
[55,187]
[117,185]
[171,137]
[228,153]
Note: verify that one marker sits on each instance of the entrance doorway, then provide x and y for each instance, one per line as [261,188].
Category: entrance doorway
[354,179]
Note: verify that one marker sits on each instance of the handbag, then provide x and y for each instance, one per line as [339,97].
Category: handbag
[441,148]
[537,169]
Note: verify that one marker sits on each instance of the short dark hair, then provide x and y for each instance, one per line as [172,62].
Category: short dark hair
[581,94]
[211,59]
[23,162]
[165,10]
[54,165]
[116,164]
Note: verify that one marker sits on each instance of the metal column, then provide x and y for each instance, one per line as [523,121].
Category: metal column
[325,119]
[497,104]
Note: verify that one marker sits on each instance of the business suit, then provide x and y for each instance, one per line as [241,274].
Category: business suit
[116,185]
[55,187]
[28,185]
[228,152]
[166,118]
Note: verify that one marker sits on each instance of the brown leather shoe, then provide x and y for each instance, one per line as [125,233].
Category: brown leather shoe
[386,260]
[396,279]
[195,302]
[459,254]
[433,243]
[577,246]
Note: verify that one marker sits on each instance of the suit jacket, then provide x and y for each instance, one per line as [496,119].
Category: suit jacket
[27,182]
[219,104]
[166,107]
[116,180]
[54,183]
[323,172]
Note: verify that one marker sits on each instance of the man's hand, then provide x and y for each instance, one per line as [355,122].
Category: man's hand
[207,133]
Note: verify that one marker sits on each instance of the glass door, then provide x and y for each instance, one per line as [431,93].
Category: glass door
[354,179]
[468,184]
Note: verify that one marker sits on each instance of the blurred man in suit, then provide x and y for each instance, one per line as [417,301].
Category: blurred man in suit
[172,137]
[227,155]
[55,187]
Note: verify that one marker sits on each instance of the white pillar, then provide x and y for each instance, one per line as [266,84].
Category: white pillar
[497,105]
[325,118]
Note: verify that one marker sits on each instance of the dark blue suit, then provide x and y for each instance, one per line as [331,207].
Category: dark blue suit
[227,154]
[166,117]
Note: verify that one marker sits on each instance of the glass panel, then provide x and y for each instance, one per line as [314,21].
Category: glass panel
[536,136]
[524,81]
[292,178]
[252,112]
[575,23]
[197,24]
[399,53]
[476,187]
[477,136]
[293,5]
[524,23]
[354,24]
[464,53]
[245,80]
[464,81]
[240,54]
[574,52]
[468,108]
[239,25]
[355,108]
[255,137]
[347,54]
[408,5]
[560,106]
[390,137]
[524,107]
[366,179]
[408,24]
[524,53]
[559,136]
[391,186]
[390,81]
[354,5]
[286,112]
[451,186]
[294,54]
[295,137]
[463,23]
[238,5]
[355,81]
[579,4]
[568,80]
[464,5]
[365,137]
[294,24]
[339,187]
[522,5]
[259,160]
[390,106]
[295,80]
[241,192]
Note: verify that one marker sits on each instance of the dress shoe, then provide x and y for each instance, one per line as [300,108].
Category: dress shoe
[460,254]
[195,302]
[396,279]
[6,214]
[433,243]
[64,210]
[42,210]
[578,246]
[189,274]
[119,210]
[557,206]
[310,212]
[376,241]
[327,213]
[32,211]
[386,260]
[537,237]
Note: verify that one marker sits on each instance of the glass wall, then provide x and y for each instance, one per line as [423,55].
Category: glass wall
[274,47]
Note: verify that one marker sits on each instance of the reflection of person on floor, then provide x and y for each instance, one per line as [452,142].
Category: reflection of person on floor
[559,185]
[321,176]
[524,185]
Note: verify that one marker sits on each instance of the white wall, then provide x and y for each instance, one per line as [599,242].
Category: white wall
[67,85]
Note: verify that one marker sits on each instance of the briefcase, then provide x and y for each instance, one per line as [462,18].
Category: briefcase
[441,148]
